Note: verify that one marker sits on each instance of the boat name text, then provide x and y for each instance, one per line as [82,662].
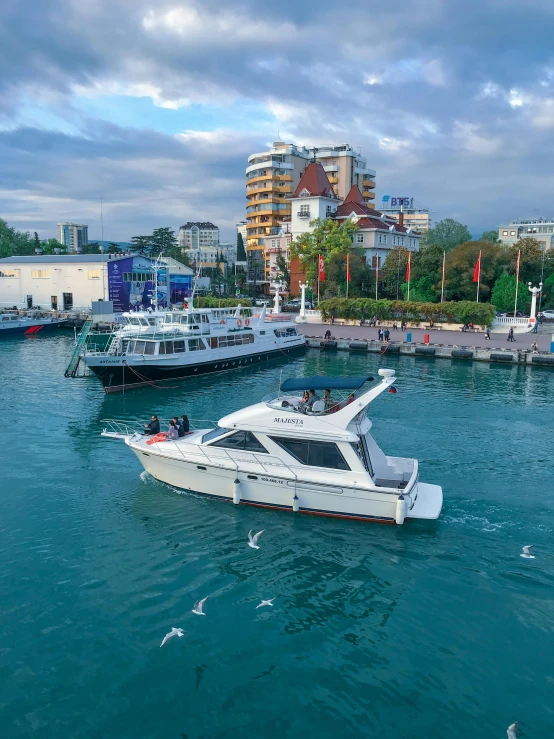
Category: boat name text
[294,421]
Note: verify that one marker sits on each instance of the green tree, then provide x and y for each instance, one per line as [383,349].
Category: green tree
[93,247]
[50,245]
[447,234]
[329,238]
[504,292]
[491,236]
[460,267]
[427,263]
[241,251]
[421,291]
[163,239]
[141,244]
[36,242]
[393,273]
[548,292]
[530,265]
[14,243]
[113,248]
[284,272]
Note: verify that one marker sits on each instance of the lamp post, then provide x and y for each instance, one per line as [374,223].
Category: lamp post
[303,286]
[534,292]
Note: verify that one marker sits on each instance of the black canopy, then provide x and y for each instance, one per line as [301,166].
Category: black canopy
[325,383]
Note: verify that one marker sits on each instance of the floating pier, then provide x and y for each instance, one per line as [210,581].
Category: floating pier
[439,351]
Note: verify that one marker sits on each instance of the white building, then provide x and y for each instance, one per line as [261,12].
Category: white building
[73,236]
[198,235]
[72,282]
[377,233]
[541,229]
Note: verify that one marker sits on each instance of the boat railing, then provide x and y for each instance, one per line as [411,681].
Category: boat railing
[125,427]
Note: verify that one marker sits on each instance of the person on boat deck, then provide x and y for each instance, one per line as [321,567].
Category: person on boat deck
[312,398]
[172,432]
[185,425]
[153,427]
[351,398]
[177,423]
[328,400]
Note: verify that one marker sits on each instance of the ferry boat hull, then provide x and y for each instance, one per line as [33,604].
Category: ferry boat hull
[117,376]
[31,328]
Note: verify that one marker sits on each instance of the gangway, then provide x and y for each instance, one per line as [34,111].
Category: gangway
[73,365]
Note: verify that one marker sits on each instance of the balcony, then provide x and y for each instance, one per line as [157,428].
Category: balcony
[303,214]
[368,195]
[333,180]
[368,183]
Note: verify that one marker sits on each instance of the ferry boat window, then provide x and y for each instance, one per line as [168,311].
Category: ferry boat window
[151,321]
[243,440]
[196,344]
[139,347]
[178,346]
[313,453]
[168,347]
[205,318]
[150,346]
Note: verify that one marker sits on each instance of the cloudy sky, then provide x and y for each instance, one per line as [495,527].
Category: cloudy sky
[156,106]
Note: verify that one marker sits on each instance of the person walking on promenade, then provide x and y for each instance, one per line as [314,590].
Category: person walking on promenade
[380,333]
[488,334]
[387,335]
[511,334]
[534,347]
[395,326]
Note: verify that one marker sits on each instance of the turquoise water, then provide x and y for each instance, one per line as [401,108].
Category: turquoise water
[430,630]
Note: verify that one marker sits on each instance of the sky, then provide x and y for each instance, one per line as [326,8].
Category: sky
[154,107]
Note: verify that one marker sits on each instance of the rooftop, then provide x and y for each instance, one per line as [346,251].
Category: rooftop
[200,224]
[315,182]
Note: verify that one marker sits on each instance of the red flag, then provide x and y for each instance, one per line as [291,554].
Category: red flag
[348,268]
[409,267]
[517,265]
[392,390]
[477,270]
[321,269]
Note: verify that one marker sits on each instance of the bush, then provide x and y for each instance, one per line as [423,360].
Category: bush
[453,312]
[210,302]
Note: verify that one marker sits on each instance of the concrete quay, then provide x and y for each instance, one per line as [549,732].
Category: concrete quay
[442,345]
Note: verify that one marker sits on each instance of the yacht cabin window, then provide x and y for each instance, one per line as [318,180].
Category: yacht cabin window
[243,441]
[196,345]
[313,453]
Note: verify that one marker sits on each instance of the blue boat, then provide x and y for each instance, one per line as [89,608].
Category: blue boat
[11,323]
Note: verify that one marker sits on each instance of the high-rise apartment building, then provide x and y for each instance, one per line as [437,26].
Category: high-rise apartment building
[73,236]
[272,176]
[197,235]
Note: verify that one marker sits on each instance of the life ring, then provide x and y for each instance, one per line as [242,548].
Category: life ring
[239,322]
[222,321]
[247,322]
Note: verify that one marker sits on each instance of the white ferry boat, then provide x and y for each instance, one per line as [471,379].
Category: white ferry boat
[13,323]
[189,342]
[317,458]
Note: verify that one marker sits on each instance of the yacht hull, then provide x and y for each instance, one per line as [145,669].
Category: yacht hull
[274,492]
[120,377]
[31,328]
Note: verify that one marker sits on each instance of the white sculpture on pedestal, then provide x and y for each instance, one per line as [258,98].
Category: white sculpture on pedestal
[534,292]
[303,286]
[277,303]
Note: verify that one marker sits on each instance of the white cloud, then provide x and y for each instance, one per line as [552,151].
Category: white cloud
[131,89]
[470,138]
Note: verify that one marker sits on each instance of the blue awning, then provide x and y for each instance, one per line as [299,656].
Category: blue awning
[325,383]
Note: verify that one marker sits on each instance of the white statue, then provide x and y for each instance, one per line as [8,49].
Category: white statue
[277,303]
[303,287]
[534,292]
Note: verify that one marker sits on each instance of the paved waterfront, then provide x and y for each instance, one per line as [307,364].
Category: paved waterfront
[459,338]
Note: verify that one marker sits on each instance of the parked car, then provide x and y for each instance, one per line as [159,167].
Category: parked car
[547,315]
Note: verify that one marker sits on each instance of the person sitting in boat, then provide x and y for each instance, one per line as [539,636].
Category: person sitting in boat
[177,423]
[153,427]
[351,398]
[185,425]
[312,398]
[328,400]
[172,431]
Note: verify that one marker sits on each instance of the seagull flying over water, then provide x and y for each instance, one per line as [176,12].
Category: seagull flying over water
[512,729]
[266,603]
[253,540]
[199,605]
[172,633]
[526,552]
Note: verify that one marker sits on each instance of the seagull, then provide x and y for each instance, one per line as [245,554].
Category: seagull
[512,729]
[526,553]
[253,540]
[199,605]
[266,603]
[172,633]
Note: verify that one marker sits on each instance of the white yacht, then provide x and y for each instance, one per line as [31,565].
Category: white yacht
[317,458]
[189,342]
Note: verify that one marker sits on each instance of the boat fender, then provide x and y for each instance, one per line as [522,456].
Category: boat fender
[295,505]
[222,322]
[247,322]
[400,510]
[236,491]
[239,323]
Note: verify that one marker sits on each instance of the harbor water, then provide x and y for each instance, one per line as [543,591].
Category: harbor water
[432,629]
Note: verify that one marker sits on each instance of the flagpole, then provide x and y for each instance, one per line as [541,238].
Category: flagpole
[479,276]
[517,281]
[443,271]
[347,273]
[376,273]
[409,272]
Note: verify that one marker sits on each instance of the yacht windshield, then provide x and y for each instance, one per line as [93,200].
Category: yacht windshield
[214,434]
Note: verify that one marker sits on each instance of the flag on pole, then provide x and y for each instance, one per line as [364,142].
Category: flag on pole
[477,270]
[409,267]
[517,265]
[443,275]
[348,268]
[321,269]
